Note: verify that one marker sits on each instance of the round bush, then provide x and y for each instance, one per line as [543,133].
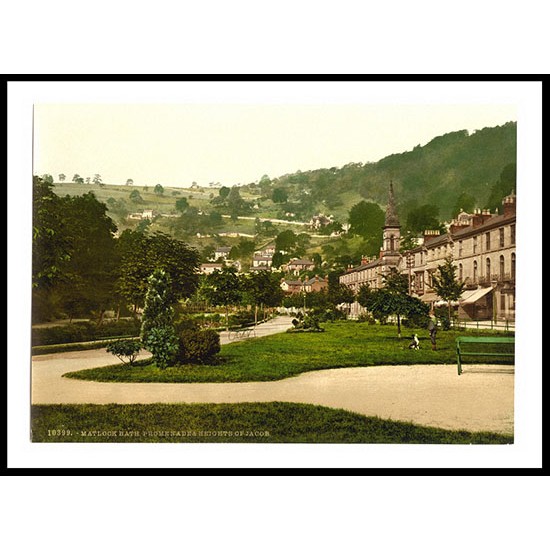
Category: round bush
[198,346]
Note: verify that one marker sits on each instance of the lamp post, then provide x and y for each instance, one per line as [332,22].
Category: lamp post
[409,260]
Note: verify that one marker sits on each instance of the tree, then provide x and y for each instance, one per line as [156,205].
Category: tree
[391,299]
[182,204]
[223,288]
[125,350]
[48,178]
[94,263]
[286,240]
[97,179]
[235,202]
[279,195]
[129,181]
[465,202]
[446,285]
[159,190]
[136,197]
[62,177]
[88,181]
[157,330]
[141,254]
[366,219]
[503,187]
[423,217]
[224,192]
[262,289]
[51,243]
[78,179]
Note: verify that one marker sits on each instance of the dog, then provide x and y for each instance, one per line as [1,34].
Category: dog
[415,344]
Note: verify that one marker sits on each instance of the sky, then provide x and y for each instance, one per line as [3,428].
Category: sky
[232,143]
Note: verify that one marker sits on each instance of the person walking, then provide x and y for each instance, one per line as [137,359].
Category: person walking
[432,329]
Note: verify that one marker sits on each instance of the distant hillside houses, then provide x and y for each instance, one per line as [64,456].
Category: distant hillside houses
[296,266]
[147,214]
[222,252]
[314,284]
[319,221]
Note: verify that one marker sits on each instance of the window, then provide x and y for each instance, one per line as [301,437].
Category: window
[502,302]
[460,249]
[460,272]
[488,268]
[513,266]
[512,234]
[501,237]
[475,245]
[475,272]
[501,267]
[487,241]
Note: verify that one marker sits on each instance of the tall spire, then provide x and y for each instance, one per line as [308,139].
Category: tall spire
[391,216]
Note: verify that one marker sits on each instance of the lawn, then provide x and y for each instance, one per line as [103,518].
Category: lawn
[273,422]
[343,344]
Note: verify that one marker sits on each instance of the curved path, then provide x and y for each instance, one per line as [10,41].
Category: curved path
[482,399]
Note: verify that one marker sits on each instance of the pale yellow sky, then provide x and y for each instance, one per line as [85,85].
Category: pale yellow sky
[176,144]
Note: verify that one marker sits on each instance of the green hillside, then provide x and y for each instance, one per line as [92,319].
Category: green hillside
[437,173]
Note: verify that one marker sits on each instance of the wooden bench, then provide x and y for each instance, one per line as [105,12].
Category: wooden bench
[461,352]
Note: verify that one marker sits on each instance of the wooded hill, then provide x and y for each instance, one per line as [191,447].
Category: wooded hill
[455,168]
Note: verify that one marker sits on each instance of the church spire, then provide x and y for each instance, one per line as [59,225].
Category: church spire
[391,215]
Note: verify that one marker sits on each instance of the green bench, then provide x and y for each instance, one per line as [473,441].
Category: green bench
[462,349]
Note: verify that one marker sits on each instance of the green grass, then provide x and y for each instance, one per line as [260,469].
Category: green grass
[343,344]
[273,422]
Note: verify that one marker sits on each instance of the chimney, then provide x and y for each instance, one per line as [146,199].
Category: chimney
[430,234]
[509,205]
[364,260]
[477,218]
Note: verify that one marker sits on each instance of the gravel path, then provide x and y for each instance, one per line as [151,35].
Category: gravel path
[482,399]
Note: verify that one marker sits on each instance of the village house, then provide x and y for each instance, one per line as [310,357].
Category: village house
[319,221]
[296,266]
[222,252]
[208,268]
[314,284]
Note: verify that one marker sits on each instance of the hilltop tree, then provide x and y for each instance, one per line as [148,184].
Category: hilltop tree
[159,189]
[366,219]
[78,179]
[62,177]
[224,192]
[279,195]
[423,217]
[503,187]
[129,181]
[182,204]
[136,197]
[97,179]
[446,285]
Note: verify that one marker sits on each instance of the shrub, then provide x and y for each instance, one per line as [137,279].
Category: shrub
[198,346]
[128,349]
[83,332]
[163,344]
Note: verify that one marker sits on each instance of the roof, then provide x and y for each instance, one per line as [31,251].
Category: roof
[301,262]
